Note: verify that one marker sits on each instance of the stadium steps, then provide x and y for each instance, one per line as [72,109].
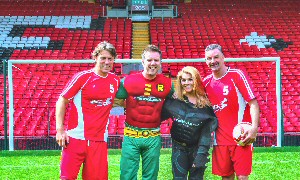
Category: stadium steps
[89,1]
[140,38]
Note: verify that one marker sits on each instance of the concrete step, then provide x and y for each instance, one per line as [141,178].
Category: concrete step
[136,56]
[140,45]
[140,39]
[140,35]
[140,42]
[139,23]
[140,32]
[138,49]
[136,26]
[138,29]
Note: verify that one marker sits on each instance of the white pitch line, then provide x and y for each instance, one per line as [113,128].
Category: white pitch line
[26,167]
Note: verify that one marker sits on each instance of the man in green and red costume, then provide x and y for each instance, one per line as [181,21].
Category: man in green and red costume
[145,94]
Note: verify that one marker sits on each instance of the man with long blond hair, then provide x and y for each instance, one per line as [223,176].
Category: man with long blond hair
[193,122]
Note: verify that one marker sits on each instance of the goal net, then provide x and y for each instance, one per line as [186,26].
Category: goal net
[35,85]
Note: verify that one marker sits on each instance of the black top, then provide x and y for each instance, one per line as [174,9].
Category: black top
[191,125]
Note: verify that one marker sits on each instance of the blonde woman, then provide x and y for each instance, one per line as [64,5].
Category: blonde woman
[193,122]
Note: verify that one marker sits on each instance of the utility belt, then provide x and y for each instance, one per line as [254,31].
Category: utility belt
[141,133]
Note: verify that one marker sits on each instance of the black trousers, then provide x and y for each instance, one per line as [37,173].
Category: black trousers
[182,161]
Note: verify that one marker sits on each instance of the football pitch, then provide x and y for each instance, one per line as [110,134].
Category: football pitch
[268,163]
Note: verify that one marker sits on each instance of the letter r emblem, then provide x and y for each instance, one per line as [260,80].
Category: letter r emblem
[160,88]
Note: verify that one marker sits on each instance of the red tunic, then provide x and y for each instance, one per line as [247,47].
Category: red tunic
[145,99]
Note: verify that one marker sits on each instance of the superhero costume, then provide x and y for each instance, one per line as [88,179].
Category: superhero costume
[144,101]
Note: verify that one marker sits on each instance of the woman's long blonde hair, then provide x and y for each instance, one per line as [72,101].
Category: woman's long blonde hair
[198,89]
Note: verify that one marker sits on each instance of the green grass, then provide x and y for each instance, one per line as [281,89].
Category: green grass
[268,163]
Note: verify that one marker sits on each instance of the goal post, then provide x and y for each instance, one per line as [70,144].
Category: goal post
[279,116]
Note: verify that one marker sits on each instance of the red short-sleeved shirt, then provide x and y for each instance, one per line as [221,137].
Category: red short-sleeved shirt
[91,98]
[229,96]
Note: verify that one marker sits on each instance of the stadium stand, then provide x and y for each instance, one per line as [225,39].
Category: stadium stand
[52,30]
[70,29]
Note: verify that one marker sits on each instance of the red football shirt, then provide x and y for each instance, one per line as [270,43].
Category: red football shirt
[92,97]
[229,96]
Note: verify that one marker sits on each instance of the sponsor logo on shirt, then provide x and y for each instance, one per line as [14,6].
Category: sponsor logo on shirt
[222,105]
[101,102]
[147,98]
[186,123]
